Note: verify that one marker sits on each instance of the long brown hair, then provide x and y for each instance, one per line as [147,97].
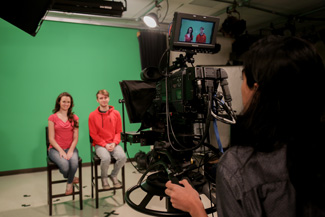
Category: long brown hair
[282,112]
[70,112]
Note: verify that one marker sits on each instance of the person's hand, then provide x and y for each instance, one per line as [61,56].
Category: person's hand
[110,147]
[69,154]
[63,154]
[185,198]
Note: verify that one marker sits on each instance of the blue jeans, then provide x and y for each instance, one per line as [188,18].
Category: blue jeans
[106,156]
[68,168]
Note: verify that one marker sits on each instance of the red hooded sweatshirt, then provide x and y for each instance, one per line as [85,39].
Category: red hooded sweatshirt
[105,127]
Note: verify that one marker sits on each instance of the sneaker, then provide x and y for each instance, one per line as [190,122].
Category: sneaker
[115,181]
[105,184]
[75,180]
[69,189]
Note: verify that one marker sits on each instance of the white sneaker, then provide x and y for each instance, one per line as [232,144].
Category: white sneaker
[115,181]
[105,184]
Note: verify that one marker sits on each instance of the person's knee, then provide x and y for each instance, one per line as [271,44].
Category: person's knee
[123,158]
[103,154]
[105,157]
[64,168]
[74,162]
[75,156]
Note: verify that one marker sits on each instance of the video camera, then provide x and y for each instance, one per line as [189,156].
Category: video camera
[175,107]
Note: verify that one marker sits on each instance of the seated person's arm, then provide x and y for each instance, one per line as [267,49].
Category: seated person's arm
[118,130]
[52,141]
[93,133]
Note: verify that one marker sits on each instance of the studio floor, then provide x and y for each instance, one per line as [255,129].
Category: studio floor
[26,195]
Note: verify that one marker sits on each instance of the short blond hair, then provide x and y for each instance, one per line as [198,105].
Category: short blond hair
[103,91]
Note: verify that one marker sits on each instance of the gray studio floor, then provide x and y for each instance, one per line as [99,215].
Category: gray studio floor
[26,195]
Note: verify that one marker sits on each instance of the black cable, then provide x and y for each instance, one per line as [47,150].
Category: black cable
[207,125]
[125,7]
[127,153]
[159,64]
[166,11]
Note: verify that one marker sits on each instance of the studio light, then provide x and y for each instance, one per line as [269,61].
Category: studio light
[151,20]
[233,26]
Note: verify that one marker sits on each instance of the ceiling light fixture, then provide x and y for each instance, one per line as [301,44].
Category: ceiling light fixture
[151,20]
[233,26]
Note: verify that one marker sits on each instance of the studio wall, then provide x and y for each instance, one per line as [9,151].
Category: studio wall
[77,58]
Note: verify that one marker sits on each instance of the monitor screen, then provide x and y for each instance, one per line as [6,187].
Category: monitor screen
[196,31]
[193,32]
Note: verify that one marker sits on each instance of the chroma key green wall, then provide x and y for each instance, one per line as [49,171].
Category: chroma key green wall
[77,58]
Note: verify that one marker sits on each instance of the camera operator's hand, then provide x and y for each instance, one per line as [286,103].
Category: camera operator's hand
[185,198]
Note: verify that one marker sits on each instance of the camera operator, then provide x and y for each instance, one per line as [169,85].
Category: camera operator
[276,170]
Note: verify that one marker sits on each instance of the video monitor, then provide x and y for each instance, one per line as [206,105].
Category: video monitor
[193,32]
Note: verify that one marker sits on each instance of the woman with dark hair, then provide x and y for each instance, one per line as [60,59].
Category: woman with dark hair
[189,35]
[63,137]
[276,169]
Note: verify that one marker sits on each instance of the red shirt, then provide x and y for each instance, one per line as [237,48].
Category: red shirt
[63,131]
[188,38]
[201,38]
[105,127]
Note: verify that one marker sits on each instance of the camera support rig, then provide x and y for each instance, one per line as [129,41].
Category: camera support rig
[186,102]
[180,61]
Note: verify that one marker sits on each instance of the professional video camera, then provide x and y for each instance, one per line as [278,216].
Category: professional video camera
[178,104]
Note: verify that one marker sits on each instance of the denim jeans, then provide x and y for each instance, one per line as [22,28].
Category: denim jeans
[68,168]
[106,156]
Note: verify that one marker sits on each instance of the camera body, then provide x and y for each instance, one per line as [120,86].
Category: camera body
[186,93]
[180,115]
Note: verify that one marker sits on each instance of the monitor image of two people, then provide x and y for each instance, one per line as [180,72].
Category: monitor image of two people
[195,31]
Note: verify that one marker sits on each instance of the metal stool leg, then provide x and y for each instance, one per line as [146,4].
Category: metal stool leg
[80,185]
[96,185]
[49,187]
[92,178]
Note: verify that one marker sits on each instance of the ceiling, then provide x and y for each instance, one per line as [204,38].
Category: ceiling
[261,16]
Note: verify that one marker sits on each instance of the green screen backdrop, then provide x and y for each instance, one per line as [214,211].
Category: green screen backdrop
[77,58]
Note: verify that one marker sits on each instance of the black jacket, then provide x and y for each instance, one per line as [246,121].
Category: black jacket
[254,184]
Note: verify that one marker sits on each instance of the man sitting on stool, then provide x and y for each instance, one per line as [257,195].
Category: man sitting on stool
[105,127]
